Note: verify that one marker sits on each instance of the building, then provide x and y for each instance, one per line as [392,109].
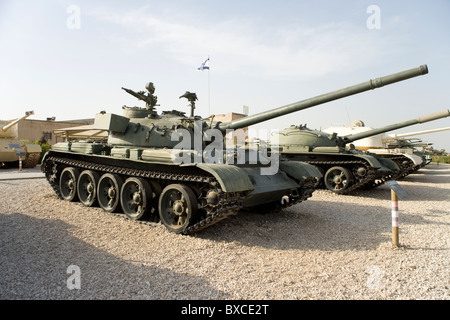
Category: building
[43,130]
[229,117]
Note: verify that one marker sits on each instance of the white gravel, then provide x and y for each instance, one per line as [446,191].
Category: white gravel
[328,247]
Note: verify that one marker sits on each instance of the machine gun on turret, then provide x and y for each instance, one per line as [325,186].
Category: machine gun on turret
[149,99]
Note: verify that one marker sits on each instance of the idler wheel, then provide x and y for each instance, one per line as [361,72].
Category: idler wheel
[135,198]
[87,187]
[177,207]
[108,192]
[68,184]
[338,179]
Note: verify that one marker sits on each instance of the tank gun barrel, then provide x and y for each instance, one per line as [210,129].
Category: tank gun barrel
[9,125]
[324,98]
[430,117]
[402,135]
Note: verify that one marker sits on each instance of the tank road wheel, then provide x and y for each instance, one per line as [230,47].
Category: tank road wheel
[135,197]
[68,184]
[337,179]
[108,192]
[87,187]
[177,207]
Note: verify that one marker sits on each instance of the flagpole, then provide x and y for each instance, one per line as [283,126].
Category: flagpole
[209,88]
[205,66]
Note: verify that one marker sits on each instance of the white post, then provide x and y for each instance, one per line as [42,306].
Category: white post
[394,219]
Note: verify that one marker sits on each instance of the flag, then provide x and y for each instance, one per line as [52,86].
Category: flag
[204,66]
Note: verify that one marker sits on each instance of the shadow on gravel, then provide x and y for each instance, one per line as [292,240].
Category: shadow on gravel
[36,253]
[415,191]
[307,226]
[436,173]
[424,178]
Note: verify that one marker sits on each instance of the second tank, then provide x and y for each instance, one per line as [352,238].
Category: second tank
[344,168]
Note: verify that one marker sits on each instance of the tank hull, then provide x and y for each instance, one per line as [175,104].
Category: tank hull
[408,163]
[13,150]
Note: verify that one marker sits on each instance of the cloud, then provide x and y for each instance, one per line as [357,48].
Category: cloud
[252,48]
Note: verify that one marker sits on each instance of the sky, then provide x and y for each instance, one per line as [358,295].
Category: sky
[69,59]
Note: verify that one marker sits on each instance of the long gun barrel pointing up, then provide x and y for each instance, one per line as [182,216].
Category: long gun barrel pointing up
[324,98]
[9,125]
[430,117]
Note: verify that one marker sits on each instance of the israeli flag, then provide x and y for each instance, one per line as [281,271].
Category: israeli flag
[204,66]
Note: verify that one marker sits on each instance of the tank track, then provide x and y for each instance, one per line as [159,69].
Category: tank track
[405,169]
[31,160]
[369,178]
[307,187]
[228,203]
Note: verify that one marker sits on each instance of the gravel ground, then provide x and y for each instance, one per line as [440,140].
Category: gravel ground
[328,247]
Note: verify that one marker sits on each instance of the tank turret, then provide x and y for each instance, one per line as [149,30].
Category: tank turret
[176,169]
[5,128]
[140,127]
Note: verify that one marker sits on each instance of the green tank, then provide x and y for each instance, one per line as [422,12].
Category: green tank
[344,168]
[177,169]
[408,160]
[12,149]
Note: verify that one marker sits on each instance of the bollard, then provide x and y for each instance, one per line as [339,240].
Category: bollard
[396,192]
[20,163]
[394,219]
